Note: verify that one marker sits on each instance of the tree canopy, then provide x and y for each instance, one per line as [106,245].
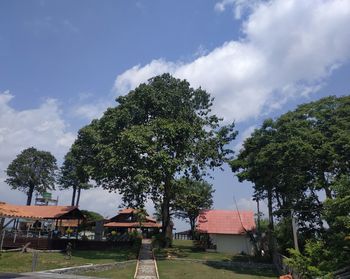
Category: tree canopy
[32,171]
[298,158]
[192,197]
[159,131]
[73,173]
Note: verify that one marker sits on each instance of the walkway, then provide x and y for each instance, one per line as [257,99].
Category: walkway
[42,275]
[146,267]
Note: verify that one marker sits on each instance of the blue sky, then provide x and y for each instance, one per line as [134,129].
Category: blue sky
[62,63]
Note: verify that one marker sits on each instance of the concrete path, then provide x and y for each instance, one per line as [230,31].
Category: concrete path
[42,275]
[146,267]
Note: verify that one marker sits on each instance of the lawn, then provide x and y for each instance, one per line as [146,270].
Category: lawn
[126,272]
[22,262]
[186,249]
[171,269]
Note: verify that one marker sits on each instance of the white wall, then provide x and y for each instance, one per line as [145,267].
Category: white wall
[232,244]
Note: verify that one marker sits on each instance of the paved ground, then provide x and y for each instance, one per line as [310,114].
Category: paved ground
[41,275]
[146,268]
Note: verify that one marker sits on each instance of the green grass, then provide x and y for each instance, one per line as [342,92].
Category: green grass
[126,272]
[187,249]
[169,269]
[22,262]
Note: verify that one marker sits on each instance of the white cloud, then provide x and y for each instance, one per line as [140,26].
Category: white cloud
[91,111]
[243,136]
[238,6]
[288,49]
[41,127]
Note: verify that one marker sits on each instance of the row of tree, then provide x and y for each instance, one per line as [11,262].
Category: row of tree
[158,143]
[36,171]
[300,164]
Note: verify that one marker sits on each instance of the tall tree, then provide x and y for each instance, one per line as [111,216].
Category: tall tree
[159,130]
[73,174]
[192,197]
[32,171]
[292,158]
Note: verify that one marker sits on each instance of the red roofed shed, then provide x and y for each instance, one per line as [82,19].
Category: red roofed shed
[227,229]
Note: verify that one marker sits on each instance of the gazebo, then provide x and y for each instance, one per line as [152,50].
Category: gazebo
[34,221]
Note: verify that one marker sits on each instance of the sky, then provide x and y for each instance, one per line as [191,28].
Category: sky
[62,63]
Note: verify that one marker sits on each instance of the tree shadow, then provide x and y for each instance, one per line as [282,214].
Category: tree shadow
[254,270]
[117,254]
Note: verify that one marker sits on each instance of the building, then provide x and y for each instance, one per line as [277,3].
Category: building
[127,220]
[226,230]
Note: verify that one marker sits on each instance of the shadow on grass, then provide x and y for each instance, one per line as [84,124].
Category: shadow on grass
[254,271]
[117,254]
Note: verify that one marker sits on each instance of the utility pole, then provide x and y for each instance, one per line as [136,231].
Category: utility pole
[294,226]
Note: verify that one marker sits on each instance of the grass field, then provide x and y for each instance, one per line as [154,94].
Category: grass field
[22,262]
[169,269]
[186,249]
[126,272]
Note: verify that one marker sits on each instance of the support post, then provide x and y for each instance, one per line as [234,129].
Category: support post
[2,239]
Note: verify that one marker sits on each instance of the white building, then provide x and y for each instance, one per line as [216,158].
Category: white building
[227,229]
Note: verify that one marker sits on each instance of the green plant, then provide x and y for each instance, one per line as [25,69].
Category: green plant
[301,264]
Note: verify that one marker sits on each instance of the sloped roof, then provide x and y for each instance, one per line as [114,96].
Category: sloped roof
[132,225]
[39,212]
[225,221]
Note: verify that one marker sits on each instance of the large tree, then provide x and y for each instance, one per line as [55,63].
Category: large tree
[160,130]
[73,174]
[292,159]
[32,171]
[192,197]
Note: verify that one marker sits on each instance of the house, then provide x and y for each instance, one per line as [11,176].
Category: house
[226,230]
[127,220]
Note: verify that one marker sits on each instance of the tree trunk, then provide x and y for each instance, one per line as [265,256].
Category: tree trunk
[30,195]
[73,195]
[78,197]
[193,226]
[166,214]
[271,226]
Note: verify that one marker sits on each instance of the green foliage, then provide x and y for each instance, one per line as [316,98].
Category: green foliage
[302,264]
[92,216]
[73,173]
[32,171]
[291,160]
[157,132]
[191,198]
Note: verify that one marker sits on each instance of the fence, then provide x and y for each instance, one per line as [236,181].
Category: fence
[282,267]
[45,241]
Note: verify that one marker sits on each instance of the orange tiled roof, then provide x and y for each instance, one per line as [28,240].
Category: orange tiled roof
[225,221]
[132,225]
[34,211]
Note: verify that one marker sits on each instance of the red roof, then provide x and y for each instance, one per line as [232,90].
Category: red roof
[225,221]
[36,211]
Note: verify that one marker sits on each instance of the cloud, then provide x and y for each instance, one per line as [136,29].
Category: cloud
[239,6]
[243,136]
[90,111]
[288,50]
[41,127]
